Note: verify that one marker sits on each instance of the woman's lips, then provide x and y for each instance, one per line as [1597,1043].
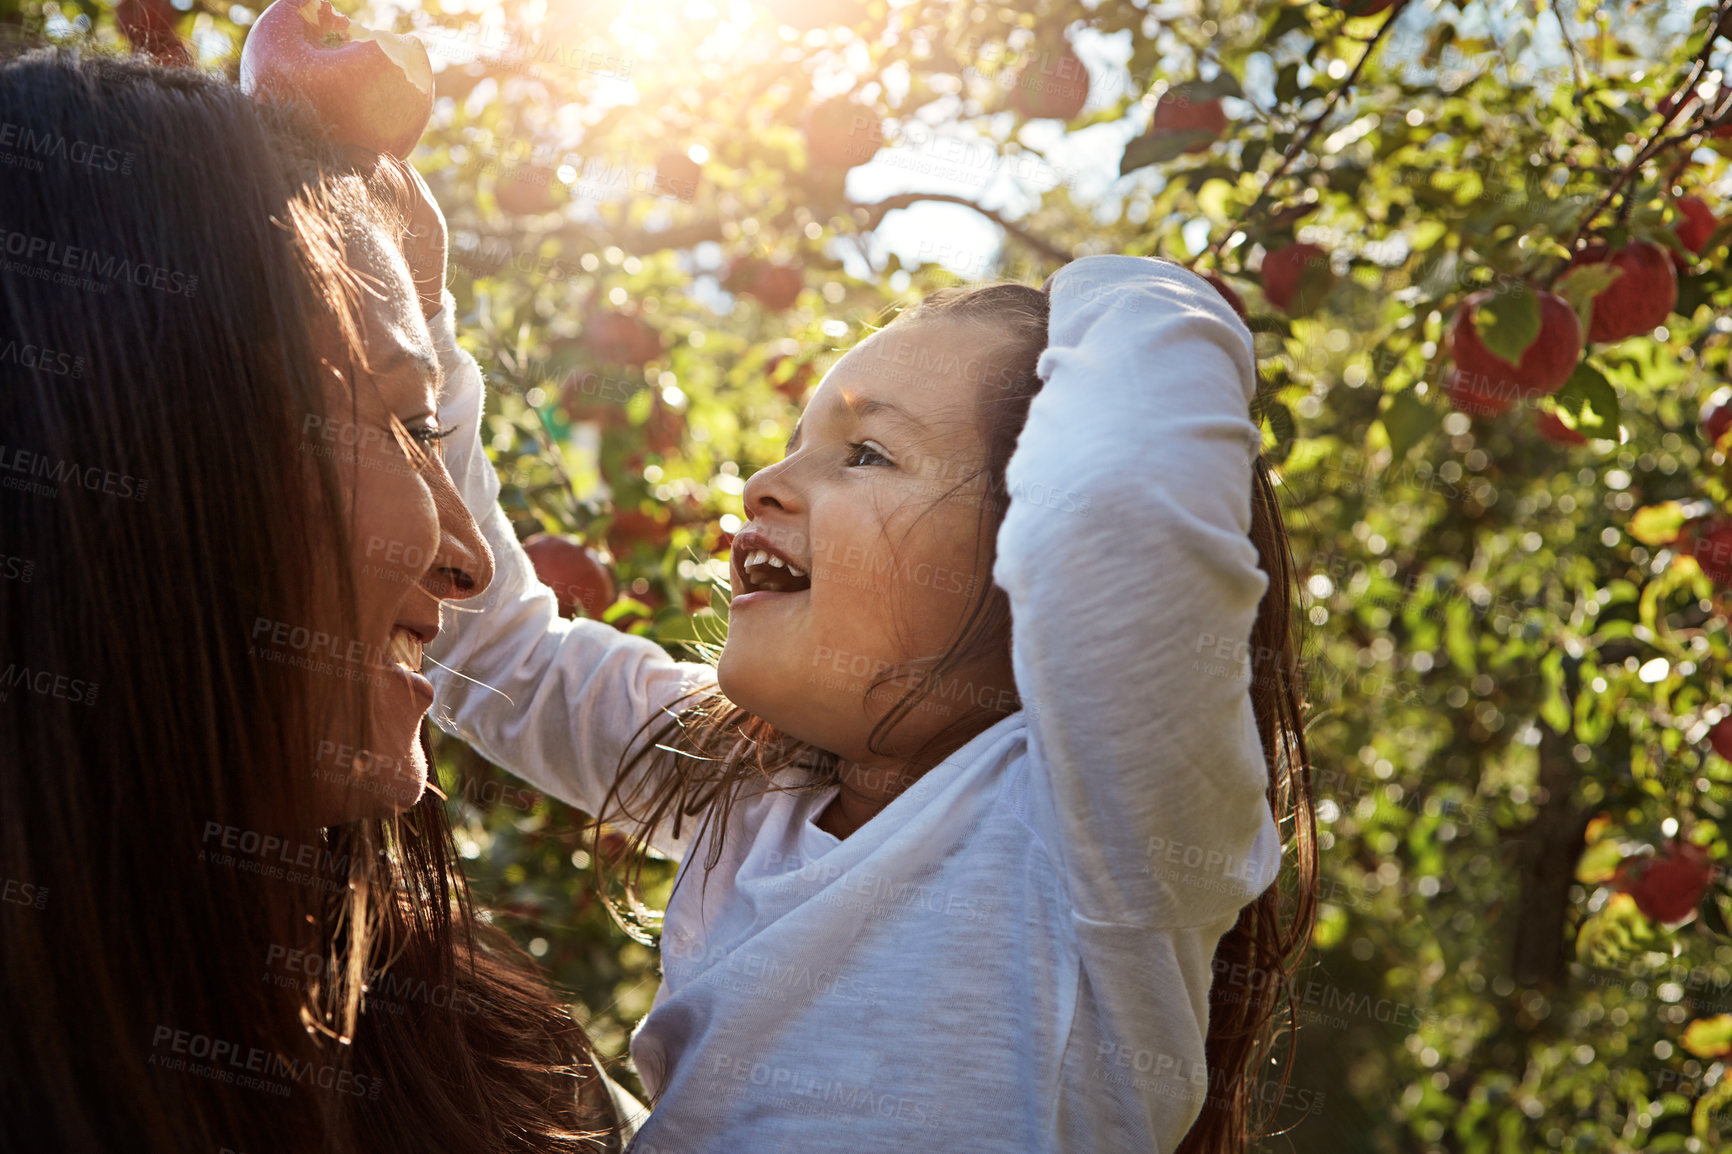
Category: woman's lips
[407,651]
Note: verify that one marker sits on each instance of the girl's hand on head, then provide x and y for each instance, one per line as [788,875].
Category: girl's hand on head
[424,245]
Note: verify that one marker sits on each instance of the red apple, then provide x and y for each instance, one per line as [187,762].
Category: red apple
[575,572]
[1485,384]
[1226,291]
[841,134]
[664,429]
[1710,543]
[1698,224]
[528,190]
[776,286]
[677,175]
[1716,415]
[1720,737]
[1054,84]
[1175,111]
[372,89]
[634,526]
[1296,278]
[618,338]
[458,80]
[149,27]
[1667,887]
[1640,299]
[1553,429]
[791,381]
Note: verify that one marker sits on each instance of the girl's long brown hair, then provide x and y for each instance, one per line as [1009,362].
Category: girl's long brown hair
[198,966]
[693,765]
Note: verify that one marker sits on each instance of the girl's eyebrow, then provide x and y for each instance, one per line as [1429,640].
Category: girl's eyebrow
[861,408]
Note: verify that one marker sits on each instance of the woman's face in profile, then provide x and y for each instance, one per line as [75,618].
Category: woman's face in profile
[412,542]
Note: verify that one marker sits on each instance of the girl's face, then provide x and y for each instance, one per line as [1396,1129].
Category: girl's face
[878,501]
[412,542]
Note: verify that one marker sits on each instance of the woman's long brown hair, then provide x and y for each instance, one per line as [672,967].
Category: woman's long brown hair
[695,764]
[187,963]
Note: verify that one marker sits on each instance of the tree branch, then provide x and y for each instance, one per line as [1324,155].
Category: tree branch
[1299,143]
[879,209]
[686,236]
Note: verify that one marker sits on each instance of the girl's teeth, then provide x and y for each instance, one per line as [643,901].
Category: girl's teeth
[796,570]
[775,560]
[757,557]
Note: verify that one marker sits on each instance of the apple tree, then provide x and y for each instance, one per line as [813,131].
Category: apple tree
[1480,246]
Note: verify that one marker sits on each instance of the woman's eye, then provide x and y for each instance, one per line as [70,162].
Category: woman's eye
[863,454]
[430,434]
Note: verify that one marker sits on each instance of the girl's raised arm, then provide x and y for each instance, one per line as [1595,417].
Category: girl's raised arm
[1134,585]
[553,701]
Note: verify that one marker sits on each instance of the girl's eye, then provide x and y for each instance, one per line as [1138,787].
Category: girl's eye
[864,454]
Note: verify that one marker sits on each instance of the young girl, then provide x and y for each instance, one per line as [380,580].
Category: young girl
[983,789]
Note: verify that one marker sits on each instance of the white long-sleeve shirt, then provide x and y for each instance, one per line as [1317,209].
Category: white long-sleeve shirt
[1015,954]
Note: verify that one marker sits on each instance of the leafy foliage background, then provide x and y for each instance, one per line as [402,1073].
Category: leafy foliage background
[1514,679]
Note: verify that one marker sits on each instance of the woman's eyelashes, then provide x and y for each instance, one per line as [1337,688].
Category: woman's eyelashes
[863,453]
[430,434]
[423,437]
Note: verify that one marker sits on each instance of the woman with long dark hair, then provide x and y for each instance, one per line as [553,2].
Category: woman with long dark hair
[231,915]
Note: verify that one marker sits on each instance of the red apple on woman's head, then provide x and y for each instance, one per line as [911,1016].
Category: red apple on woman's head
[1642,296]
[1296,278]
[575,572]
[372,89]
[1485,384]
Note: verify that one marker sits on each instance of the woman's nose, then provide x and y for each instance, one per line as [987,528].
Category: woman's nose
[463,565]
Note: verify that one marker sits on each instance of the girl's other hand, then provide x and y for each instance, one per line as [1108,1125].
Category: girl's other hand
[424,238]
[424,245]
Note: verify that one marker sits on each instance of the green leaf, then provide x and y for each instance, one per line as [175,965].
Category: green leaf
[1657,524]
[1159,147]
[1583,283]
[1588,391]
[1461,636]
[1709,1037]
[1287,83]
[1222,84]
[1509,322]
[1281,424]
[1599,862]
[1615,934]
[1406,419]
